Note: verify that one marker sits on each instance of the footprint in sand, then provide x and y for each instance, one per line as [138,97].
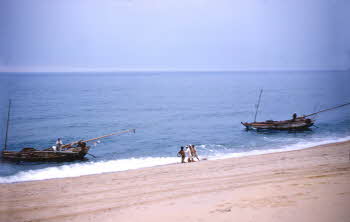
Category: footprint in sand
[223,208]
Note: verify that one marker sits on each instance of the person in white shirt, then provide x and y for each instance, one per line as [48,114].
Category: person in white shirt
[59,144]
[189,154]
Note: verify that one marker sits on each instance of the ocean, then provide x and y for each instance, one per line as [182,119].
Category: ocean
[168,110]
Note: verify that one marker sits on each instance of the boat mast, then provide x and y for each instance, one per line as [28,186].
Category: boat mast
[7,126]
[257,106]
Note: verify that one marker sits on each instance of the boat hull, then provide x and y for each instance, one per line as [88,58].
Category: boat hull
[45,156]
[280,125]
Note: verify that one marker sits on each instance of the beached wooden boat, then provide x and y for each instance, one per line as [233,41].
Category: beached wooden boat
[69,152]
[297,124]
[32,154]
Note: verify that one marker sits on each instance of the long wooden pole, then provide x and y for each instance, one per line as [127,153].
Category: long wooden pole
[100,137]
[257,107]
[112,134]
[327,109]
[7,125]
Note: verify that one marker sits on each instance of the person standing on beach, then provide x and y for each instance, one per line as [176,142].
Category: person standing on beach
[189,155]
[194,152]
[182,154]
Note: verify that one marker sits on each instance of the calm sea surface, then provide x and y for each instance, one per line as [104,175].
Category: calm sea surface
[168,110]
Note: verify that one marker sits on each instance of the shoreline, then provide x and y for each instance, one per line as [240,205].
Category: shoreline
[38,173]
[280,186]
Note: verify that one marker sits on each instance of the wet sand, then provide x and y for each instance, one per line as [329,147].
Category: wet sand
[305,185]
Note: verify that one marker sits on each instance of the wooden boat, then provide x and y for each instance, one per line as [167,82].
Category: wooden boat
[33,155]
[69,152]
[297,123]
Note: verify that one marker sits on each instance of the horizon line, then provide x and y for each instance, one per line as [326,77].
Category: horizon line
[86,70]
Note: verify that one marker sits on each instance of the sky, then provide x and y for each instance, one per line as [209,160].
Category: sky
[122,35]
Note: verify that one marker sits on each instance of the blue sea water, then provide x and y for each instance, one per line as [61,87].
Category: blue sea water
[168,110]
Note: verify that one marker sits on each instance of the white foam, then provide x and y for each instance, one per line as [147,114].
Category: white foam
[80,169]
[297,146]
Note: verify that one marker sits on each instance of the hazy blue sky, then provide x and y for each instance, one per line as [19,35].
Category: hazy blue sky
[174,35]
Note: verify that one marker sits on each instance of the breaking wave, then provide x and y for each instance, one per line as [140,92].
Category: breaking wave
[81,169]
[291,147]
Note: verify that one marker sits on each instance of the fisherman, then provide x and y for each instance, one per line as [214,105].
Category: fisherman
[194,152]
[294,117]
[189,155]
[83,147]
[59,144]
[181,154]
[81,144]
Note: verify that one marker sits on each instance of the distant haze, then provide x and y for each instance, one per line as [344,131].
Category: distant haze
[73,35]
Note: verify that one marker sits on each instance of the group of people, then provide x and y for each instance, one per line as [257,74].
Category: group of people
[190,152]
[59,145]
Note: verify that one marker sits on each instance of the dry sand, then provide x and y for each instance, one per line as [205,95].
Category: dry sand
[306,185]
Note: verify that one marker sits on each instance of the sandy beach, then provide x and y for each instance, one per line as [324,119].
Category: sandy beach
[305,185]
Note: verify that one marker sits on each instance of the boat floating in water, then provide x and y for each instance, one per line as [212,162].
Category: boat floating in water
[47,155]
[69,152]
[300,123]
[297,123]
